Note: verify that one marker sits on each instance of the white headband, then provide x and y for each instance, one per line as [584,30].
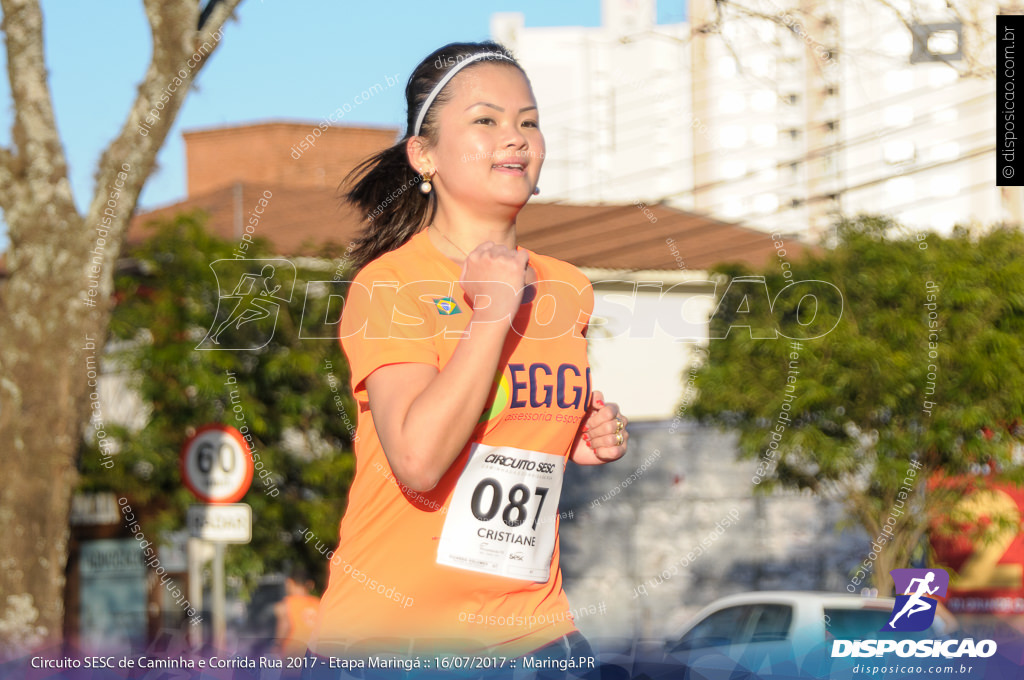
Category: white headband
[444,81]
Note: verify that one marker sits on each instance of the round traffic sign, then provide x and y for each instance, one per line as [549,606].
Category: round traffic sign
[216,464]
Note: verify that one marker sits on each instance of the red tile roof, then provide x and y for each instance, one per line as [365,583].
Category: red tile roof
[299,220]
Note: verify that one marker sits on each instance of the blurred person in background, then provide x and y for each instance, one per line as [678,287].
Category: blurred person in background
[296,614]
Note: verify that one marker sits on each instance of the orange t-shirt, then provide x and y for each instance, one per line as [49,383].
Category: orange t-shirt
[473,565]
[301,612]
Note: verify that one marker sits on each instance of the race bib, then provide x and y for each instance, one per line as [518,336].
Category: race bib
[502,517]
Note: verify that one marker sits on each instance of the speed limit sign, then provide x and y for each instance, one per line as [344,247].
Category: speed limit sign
[216,464]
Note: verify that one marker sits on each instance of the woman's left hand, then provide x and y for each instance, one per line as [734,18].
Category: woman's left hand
[603,436]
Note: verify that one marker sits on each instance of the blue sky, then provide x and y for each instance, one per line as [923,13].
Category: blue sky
[278,60]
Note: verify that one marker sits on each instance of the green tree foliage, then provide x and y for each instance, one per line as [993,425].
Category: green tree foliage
[288,396]
[923,364]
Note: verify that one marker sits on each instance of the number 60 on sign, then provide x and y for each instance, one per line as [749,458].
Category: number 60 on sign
[216,464]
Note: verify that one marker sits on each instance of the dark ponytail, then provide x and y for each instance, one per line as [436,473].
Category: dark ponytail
[385,187]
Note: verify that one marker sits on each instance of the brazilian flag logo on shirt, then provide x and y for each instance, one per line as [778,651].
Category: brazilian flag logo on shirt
[446,306]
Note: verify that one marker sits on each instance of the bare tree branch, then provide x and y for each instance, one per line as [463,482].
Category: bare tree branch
[34,130]
[130,158]
[207,11]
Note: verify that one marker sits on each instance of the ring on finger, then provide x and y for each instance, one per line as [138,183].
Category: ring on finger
[618,439]
[619,425]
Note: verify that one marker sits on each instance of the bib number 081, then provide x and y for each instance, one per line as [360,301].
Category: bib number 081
[515,512]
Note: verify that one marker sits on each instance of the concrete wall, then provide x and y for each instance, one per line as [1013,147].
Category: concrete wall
[633,520]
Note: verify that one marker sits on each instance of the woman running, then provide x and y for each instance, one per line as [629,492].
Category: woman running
[468,362]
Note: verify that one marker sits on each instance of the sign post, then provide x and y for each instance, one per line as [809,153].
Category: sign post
[216,466]
[195,586]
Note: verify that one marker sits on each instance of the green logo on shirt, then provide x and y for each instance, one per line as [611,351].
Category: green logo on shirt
[497,406]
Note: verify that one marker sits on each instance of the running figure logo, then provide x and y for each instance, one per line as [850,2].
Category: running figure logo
[914,610]
[247,316]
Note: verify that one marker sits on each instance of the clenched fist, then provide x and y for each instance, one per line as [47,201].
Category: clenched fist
[493,278]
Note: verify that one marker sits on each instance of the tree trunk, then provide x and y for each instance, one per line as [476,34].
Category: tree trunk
[54,307]
[41,410]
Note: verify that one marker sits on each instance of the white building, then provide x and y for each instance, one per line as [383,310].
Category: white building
[612,104]
[778,114]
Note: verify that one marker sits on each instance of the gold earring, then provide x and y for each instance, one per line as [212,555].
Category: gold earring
[425,186]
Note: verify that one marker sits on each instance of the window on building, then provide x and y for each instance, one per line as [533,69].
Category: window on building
[733,207]
[937,42]
[766,203]
[898,151]
[898,115]
[944,185]
[734,136]
[764,67]
[732,102]
[898,81]
[765,31]
[727,66]
[763,100]
[896,43]
[943,42]
[731,169]
[767,172]
[942,75]
[764,134]
[945,151]
[901,189]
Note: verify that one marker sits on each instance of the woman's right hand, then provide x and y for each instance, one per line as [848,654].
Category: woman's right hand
[498,273]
